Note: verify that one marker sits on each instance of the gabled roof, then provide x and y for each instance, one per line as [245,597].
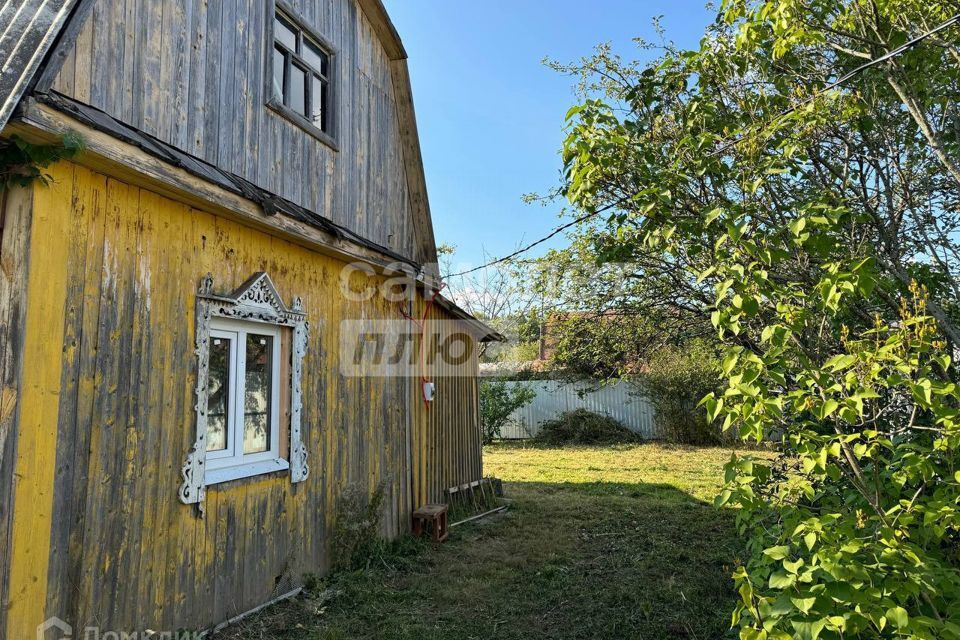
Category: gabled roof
[28,29]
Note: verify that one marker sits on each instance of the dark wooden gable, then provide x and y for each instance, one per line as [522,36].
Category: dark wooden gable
[192,73]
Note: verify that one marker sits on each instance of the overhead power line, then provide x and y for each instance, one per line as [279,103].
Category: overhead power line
[523,250]
[786,112]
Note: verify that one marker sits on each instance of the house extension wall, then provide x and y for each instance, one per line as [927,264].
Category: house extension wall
[447,450]
[107,415]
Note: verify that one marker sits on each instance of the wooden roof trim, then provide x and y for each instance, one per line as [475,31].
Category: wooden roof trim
[379,19]
[413,164]
[114,149]
[383,26]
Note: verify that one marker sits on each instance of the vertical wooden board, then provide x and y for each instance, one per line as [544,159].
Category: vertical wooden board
[166,95]
[138,457]
[152,339]
[184,544]
[191,555]
[14,240]
[224,608]
[92,196]
[33,488]
[196,105]
[87,528]
[197,585]
[240,69]
[145,12]
[107,75]
[154,91]
[206,604]
[214,82]
[128,85]
[227,105]
[181,52]
[64,82]
[254,111]
[70,475]
[113,526]
[149,526]
[82,63]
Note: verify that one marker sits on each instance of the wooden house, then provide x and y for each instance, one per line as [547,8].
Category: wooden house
[176,423]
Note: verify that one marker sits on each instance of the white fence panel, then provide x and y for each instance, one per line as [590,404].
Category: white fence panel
[621,401]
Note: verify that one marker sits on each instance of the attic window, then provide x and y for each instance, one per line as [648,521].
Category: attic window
[300,75]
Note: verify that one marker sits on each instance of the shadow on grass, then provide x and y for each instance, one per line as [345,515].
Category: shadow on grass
[567,560]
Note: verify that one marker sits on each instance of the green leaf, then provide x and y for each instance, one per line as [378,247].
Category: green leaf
[777,553]
[898,616]
[729,362]
[781,580]
[841,362]
[797,226]
[828,408]
[808,630]
[804,604]
[723,498]
[793,566]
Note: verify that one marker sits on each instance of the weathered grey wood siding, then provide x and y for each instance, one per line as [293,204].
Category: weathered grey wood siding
[192,74]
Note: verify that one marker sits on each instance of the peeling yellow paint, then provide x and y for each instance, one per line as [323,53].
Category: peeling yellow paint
[34,475]
[114,325]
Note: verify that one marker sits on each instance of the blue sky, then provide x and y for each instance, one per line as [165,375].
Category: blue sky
[491,115]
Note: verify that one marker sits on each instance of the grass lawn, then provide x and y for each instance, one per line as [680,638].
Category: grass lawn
[613,542]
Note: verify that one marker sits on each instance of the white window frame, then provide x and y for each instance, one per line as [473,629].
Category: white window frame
[255,302]
[232,463]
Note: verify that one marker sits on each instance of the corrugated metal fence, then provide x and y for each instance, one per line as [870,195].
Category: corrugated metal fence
[621,400]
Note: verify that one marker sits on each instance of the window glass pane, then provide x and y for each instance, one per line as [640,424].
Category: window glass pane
[318,103]
[257,394]
[285,33]
[315,57]
[298,92]
[218,394]
[279,67]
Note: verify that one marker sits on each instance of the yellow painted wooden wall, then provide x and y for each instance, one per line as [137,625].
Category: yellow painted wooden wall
[107,416]
[448,444]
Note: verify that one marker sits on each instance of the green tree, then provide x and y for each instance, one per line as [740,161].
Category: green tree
[675,381]
[497,401]
[818,227]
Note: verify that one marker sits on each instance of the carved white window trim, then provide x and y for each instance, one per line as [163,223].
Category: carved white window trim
[255,300]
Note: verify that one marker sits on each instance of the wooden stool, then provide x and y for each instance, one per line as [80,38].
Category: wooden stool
[436,514]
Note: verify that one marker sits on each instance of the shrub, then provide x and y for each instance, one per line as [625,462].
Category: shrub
[356,528]
[583,427]
[497,402]
[677,380]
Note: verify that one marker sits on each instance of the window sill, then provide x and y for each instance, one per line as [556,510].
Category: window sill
[226,474]
[295,118]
